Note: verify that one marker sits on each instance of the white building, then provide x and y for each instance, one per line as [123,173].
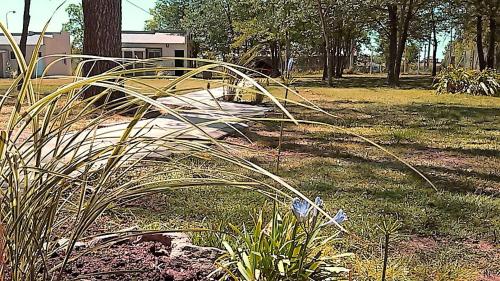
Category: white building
[135,44]
[53,43]
[153,44]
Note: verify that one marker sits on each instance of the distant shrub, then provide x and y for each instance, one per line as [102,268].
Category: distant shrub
[461,81]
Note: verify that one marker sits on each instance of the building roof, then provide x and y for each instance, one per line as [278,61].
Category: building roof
[152,37]
[138,37]
[32,38]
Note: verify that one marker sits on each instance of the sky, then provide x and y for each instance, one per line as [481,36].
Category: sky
[134,16]
[41,10]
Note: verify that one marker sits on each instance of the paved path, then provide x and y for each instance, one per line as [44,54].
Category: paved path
[199,107]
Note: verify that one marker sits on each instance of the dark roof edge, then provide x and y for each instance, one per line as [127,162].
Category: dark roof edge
[173,31]
[30,33]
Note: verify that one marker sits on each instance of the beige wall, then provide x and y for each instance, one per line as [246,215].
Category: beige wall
[58,44]
[10,65]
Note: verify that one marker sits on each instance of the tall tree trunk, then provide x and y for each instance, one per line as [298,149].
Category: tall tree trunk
[335,59]
[490,60]
[434,48]
[26,23]
[402,42]
[340,63]
[427,59]
[425,53]
[325,66]
[479,42]
[330,65]
[102,37]
[276,59]
[273,46]
[327,44]
[230,35]
[393,43]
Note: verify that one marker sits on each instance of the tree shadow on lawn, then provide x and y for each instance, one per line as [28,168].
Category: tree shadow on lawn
[438,164]
[406,82]
[445,178]
[421,115]
[366,191]
[452,112]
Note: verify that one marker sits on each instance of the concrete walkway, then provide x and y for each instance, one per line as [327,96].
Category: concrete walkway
[200,108]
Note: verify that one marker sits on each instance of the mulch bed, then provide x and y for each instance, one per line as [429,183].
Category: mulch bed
[142,259]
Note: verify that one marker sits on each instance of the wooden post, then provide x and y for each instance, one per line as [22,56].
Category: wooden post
[386,255]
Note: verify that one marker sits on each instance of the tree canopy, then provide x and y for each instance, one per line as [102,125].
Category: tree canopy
[404,31]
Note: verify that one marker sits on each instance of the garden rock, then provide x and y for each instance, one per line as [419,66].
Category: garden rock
[165,256]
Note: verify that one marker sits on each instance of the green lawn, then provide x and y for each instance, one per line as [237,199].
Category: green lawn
[450,234]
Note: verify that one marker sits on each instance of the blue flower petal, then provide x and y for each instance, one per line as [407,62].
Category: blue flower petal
[340,217]
[300,208]
[319,203]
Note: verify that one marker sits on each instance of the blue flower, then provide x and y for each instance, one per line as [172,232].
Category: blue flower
[319,204]
[300,208]
[339,218]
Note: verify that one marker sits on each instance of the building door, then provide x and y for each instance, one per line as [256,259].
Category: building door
[40,65]
[179,63]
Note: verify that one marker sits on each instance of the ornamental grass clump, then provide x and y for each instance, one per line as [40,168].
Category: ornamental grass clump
[291,246]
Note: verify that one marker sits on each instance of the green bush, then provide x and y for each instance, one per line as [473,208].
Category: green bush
[289,247]
[461,81]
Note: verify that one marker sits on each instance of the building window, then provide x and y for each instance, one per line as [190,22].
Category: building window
[153,53]
[127,54]
[12,55]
